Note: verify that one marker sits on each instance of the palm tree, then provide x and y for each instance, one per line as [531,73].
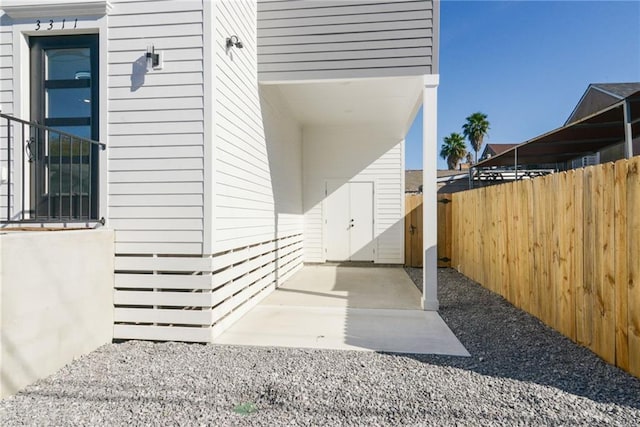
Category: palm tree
[453,149]
[476,129]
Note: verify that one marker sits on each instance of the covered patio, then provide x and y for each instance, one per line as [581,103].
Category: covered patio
[346,307]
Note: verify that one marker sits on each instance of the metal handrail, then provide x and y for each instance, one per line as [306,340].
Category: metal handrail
[48,128]
[46,204]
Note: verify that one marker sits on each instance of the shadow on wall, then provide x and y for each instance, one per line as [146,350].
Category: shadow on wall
[301,160]
[283,140]
[344,153]
[334,156]
[138,73]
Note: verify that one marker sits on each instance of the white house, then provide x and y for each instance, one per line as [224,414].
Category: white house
[241,140]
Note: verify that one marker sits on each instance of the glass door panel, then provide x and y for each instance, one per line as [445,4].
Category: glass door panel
[64,74]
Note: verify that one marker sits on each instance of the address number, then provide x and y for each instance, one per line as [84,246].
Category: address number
[51,24]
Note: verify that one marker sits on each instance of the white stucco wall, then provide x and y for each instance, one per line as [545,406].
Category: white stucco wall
[56,301]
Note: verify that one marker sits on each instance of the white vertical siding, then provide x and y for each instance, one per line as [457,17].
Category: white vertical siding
[342,39]
[355,154]
[156,121]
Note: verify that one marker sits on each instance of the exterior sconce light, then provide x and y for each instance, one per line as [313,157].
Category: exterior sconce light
[234,41]
[154,60]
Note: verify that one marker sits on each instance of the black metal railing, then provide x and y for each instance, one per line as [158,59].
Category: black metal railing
[48,175]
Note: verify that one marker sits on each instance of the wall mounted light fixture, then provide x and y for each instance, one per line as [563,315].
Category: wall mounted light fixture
[234,41]
[154,60]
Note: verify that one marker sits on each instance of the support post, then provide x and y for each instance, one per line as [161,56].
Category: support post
[429,193]
[8,170]
[628,136]
[516,163]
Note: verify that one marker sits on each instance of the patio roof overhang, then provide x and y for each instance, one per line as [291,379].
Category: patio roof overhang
[388,103]
[586,136]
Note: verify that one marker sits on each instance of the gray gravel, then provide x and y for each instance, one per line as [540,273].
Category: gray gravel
[520,373]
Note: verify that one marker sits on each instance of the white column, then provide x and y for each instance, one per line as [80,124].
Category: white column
[429,193]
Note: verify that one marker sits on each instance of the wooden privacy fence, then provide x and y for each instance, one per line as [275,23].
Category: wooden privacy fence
[413,230]
[444,230]
[565,248]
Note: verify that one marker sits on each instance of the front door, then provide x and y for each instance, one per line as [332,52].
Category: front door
[64,96]
[349,221]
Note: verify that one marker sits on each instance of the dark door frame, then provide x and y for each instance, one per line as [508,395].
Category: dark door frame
[38,85]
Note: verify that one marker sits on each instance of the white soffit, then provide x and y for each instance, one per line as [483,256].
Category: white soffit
[390,102]
[17,9]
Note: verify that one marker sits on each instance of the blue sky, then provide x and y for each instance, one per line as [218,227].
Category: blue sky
[526,63]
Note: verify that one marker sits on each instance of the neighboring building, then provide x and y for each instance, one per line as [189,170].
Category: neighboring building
[599,96]
[453,181]
[413,181]
[241,140]
[491,150]
[603,127]
[449,181]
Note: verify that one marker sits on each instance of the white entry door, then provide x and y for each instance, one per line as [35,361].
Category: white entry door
[349,221]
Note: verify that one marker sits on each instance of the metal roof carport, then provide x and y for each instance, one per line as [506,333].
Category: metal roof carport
[609,126]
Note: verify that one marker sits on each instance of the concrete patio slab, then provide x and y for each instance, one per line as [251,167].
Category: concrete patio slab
[347,286]
[346,308]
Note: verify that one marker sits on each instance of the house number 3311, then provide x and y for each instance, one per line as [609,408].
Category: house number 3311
[49,25]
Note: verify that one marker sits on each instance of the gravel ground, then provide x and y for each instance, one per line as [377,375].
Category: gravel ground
[520,373]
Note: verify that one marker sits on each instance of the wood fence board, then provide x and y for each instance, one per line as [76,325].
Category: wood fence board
[490,251]
[521,239]
[565,313]
[464,238]
[413,230]
[547,291]
[555,268]
[563,248]
[510,248]
[597,224]
[527,291]
[633,264]
[471,243]
[407,230]
[609,294]
[478,238]
[584,302]
[486,274]
[539,249]
[604,296]
[503,230]
[578,245]
[418,249]
[621,271]
[448,231]
[455,233]
[444,230]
